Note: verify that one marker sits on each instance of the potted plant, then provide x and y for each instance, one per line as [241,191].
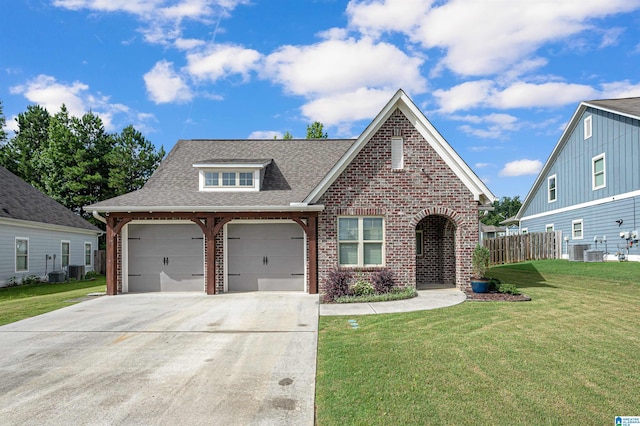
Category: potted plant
[480,266]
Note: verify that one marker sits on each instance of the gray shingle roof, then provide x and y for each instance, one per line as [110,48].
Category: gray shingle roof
[630,106]
[297,167]
[19,200]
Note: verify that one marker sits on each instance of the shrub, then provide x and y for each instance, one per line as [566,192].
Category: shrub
[480,261]
[383,281]
[362,288]
[395,294]
[90,275]
[508,288]
[493,284]
[12,282]
[30,279]
[337,284]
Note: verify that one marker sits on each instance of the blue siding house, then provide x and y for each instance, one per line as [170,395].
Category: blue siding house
[39,235]
[589,188]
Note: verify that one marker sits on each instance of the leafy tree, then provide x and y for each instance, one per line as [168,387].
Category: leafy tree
[502,209]
[3,121]
[287,135]
[131,161]
[316,131]
[21,154]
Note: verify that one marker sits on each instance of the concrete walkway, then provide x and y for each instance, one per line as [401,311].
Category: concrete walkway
[427,299]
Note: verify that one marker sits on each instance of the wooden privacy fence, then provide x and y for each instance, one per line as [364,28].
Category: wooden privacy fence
[521,248]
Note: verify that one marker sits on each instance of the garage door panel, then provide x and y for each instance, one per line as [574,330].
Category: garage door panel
[165,257]
[265,257]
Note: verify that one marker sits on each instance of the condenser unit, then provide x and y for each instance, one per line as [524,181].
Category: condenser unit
[594,256]
[576,252]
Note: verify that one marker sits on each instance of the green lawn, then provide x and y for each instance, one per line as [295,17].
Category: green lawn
[570,356]
[26,301]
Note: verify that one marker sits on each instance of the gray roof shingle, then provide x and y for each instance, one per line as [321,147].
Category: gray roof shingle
[297,167]
[19,200]
[630,106]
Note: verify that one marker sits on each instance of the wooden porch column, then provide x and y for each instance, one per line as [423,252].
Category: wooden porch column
[112,257]
[312,232]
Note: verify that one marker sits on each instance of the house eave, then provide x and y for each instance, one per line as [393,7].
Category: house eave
[293,207]
[47,226]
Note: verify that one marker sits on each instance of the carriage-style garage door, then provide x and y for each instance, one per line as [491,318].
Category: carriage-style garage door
[265,256]
[165,257]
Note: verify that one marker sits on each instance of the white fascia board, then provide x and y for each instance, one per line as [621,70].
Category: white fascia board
[584,205]
[47,226]
[554,154]
[208,209]
[231,165]
[429,133]
[612,111]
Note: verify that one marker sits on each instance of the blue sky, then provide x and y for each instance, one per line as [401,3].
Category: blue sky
[498,78]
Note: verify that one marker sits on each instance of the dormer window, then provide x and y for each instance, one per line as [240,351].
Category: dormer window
[231,175]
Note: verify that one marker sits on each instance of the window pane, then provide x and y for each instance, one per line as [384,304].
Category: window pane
[211,179]
[348,253]
[598,165]
[347,228]
[228,179]
[246,179]
[65,254]
[419,243]
[22,247]
[21,263]
[373,254]
[87,254]
[372,228]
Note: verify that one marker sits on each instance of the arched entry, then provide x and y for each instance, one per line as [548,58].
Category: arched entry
[435,252]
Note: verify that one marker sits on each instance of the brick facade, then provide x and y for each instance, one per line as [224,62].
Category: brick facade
[426,194]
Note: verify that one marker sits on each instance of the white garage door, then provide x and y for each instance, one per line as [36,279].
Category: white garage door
[165,258]
[267,256]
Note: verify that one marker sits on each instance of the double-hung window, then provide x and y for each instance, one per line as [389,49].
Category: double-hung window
[551,189]
[360,241]
[576,229]
[22,254]
[598,168]
[65,251]
[88,254]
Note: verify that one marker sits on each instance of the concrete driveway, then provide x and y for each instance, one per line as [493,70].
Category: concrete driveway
[177,358]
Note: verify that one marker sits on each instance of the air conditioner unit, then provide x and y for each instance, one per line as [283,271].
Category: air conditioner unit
[594,256]
[576,252]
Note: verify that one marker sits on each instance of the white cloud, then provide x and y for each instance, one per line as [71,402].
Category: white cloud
[221,61]
[486,93]
[188,43]
[165,85]
[49,93]
[620,89]
[265,134]
[515,29]
[521,168]
[481,165]
[161,19]
[339,66]
[333,110]
[11,125]
[375,17]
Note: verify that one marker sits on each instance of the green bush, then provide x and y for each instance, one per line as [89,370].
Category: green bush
[90,275]
[30,279]
[508,288]
[494,284]
[397,293]
[362,288]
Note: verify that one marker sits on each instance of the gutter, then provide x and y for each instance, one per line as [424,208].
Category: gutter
[293,207]
[98,217]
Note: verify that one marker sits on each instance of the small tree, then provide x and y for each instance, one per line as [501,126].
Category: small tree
[480,261]
[316,131]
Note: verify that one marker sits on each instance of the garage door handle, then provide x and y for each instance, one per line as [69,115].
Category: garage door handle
[197,275]
[297,274]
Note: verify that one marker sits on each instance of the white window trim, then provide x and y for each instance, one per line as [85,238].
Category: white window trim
[420,248]
[524,231]
[360,241]
[573,233]
[555,180]
[62,253]
[397,153]
[15,252]
[593,172]
[220,187]
[588,127]
[547,226]
[90,244]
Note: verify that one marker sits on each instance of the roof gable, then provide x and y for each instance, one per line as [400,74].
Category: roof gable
[401,101]
[21,201]
[628,107]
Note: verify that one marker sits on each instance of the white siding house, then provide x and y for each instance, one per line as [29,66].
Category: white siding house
[39,235]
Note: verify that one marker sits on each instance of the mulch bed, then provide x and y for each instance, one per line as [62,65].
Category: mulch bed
[496,297]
